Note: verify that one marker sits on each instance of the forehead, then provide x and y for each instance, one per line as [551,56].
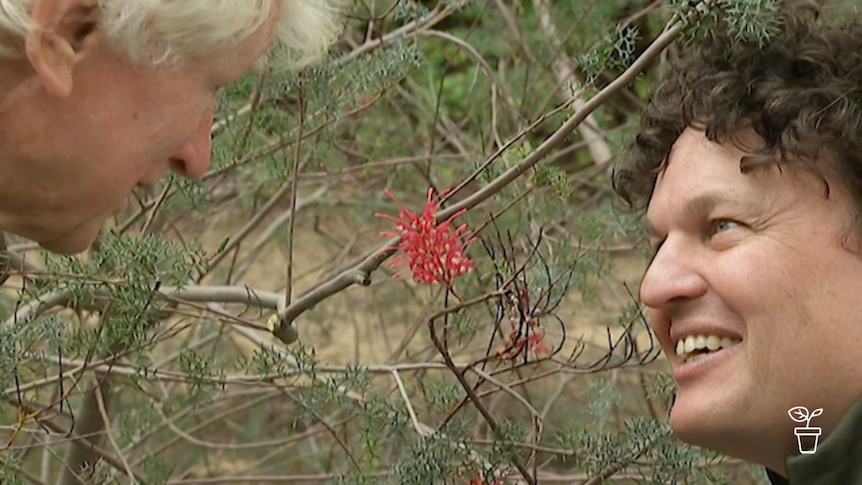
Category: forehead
[701,175]
[703,179]
[695,165]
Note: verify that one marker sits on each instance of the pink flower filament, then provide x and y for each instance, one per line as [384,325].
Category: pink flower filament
[434,253]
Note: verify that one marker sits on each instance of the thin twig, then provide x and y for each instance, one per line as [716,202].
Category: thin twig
[419,429]
[492,423]
[106,422]
[294,187]
[361,273]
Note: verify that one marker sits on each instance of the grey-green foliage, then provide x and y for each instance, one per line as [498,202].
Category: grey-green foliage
[191,194]
[156,470]
[430,102]
[27,341]
[383,421]
[605,397]
[134,420]
[510,434]
[408,11]
[746,20]
[9,466]
[333,88]
[662,389]
[431,461]
[443,395]
[598,452]
[683,464]
[614,52]
[9,354]
[123,276]
[598,449]
[548,175]
[752,19]
[200,367]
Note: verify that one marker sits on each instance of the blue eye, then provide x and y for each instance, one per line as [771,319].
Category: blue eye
[721,225]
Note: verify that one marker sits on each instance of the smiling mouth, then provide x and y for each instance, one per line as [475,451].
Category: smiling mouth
[695,347]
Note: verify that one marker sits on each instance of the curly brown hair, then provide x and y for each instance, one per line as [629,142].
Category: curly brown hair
[800,91]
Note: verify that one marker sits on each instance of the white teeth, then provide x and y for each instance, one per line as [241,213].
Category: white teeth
[710,343]
[713,342]
[689,345]
[696,357]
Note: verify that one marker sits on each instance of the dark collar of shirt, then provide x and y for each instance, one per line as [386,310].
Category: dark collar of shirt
[776,479]
[838,459]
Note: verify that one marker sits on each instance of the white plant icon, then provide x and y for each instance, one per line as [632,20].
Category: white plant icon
[800,414]
[806,436]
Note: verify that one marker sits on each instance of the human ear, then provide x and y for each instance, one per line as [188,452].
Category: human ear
[63,32]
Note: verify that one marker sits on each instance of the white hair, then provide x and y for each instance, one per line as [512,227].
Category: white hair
[169,31]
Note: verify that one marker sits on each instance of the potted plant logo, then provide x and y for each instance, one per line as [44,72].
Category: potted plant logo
[806,436]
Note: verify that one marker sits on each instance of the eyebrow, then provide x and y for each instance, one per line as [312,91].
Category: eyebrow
[694,207]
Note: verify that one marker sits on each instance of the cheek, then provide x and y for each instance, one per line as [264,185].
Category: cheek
[177,126]
[760,286]
[190,121]
[756,277]
[764,287]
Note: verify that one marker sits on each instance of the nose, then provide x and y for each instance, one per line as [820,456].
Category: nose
[193,159]
[674,275]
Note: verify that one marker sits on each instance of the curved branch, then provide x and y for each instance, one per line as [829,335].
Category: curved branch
[201,294]
[361,272]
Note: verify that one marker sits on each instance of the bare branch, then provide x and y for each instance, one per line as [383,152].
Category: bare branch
[361,273]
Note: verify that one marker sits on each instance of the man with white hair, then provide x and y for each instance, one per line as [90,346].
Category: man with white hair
[100,96]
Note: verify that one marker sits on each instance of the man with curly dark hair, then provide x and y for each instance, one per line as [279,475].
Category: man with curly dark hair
[748,165]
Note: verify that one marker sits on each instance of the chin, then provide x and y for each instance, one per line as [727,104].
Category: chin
[76,241]
[719,423]
[66,248]
[698,415]
[692,429]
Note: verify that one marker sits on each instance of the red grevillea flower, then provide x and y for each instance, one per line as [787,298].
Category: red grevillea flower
[434,252]
[536,342]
